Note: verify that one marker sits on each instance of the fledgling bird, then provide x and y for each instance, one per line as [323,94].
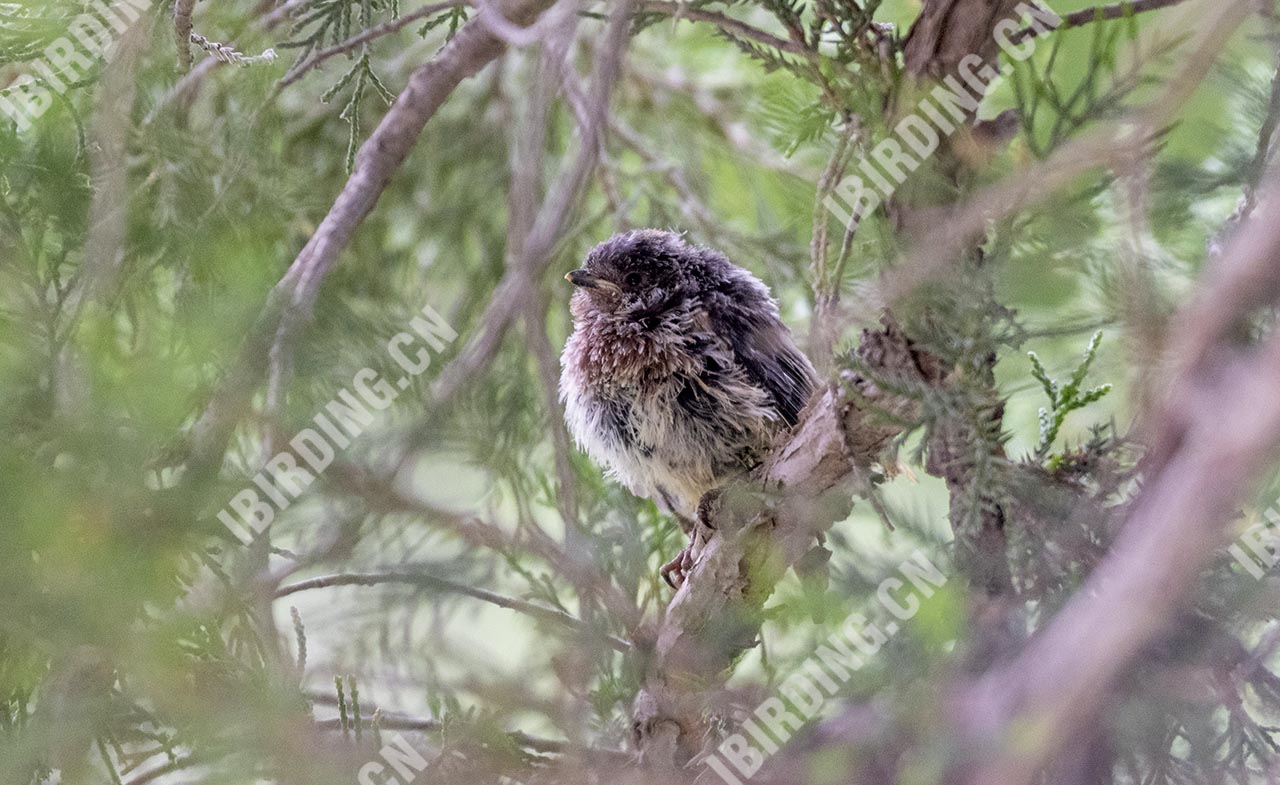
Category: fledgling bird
[679,374]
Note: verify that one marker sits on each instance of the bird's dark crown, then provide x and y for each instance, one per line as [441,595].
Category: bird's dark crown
[646,272]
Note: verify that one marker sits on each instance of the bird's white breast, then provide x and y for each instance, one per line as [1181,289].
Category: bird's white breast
[666,454]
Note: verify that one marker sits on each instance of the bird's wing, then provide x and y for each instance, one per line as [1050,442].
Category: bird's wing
[764,348]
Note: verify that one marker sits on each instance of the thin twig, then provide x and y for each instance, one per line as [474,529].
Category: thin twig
[846,246]
[735,132]
[548,373]
[728,24]
[1266,135]
[177,764]
[510,297]
[691,203]
[192,79]
[535,743]
[425,581]
[826,286]
[819,247]
[227,53]
[1100,13]
[1257,170]
[386,28]
[382,495]
[528,156]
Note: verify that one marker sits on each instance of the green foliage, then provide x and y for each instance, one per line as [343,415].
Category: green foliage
[1064,398]
[362,73]
[106,543]
[793,114]
[454,17]
[329,22]
[1052,111]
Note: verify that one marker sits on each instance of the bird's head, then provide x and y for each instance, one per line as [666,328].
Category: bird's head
[642,274]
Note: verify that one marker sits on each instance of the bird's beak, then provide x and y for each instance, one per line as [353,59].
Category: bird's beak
[588,281]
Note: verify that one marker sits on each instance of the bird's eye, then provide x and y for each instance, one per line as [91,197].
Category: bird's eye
[632,280]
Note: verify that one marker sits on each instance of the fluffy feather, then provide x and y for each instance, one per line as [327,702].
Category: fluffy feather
[679,373]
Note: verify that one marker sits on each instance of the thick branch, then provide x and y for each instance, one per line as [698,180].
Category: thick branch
[1220,431]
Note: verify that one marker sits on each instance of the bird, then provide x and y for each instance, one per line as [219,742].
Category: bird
[679,374]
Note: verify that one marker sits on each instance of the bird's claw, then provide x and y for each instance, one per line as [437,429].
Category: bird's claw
[676,571]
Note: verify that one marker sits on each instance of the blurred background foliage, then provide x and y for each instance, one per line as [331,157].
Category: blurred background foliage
[134,629]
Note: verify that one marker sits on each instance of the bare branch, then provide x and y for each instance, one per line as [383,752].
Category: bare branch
[396,721]
[382,494]
[678,11]
[177,764]
[826,285]
[190,81]
[422,580]
[736,132]
[227,53]
[1097,14]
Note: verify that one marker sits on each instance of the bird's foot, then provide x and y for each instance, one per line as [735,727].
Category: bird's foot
[676,571]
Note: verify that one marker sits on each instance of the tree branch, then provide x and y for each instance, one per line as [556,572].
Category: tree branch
[191,80]
[377,31]
[715,614]
[511,296]
[1097,14]
[947,31]
[425,581]
[1217,434]
[382,494]
[290,301]
[810,480]
[535,743]
[939,235]
[678,11]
